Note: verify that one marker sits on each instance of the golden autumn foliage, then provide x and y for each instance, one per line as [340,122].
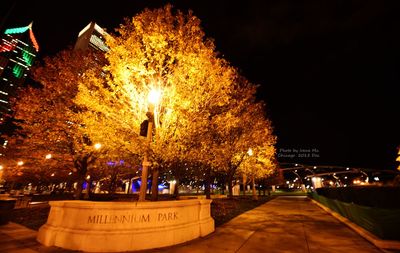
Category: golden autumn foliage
[206,110]
[258,164]
[163,51]
[206,115]
[46,116]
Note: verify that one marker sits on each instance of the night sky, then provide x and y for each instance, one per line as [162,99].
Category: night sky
[327,70]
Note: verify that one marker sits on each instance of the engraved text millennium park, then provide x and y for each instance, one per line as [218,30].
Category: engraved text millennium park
[131,218]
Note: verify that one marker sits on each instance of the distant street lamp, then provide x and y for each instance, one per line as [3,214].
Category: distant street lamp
[48,156]
[97,146]
[20,163]
[153,98]
[253,180]
[244,176]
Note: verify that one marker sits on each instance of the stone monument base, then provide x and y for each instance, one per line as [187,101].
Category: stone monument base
[125,226]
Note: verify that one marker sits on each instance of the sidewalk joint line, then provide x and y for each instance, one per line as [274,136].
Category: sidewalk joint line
[241,246]
[305,233]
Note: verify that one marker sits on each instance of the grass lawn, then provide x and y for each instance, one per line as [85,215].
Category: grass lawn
[31,217]
[222,210]
[288,193]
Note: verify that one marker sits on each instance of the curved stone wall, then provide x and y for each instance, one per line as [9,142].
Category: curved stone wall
[125,226]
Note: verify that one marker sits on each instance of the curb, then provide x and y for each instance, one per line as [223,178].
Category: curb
[382,244]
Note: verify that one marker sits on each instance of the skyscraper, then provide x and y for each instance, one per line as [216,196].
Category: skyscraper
[18,49]
[92,36]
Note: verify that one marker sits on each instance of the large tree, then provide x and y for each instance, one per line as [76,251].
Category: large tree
[47,116]
[161,50]
[37,167]
[242,127]
[258,164]
[206,115]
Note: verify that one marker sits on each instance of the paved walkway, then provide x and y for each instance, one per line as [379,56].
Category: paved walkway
[285,224]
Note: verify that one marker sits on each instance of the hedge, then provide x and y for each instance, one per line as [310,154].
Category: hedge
[372,196]
[384,223]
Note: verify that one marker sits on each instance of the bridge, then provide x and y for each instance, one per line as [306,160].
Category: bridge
[315,176]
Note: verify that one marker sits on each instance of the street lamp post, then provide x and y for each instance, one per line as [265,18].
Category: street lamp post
[146,163]
[153,98]
[244,177]
[47,157]
[253,182]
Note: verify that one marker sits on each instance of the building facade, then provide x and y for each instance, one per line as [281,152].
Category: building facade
[18,50]
[92,36]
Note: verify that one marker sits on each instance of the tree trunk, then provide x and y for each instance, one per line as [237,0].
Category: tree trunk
[79,188]
[12,185]
[230,177]
[81,170]
[207,182]
[130,185]
[113,183]
[88,189]
[255,197]
[231,173]
[244,178]
[176,190]
[154,184]
[110,188]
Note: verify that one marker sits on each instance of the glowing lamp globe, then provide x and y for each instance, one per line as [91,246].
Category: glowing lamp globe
[154,96]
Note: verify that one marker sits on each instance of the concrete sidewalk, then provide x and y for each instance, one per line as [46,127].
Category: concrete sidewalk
[285,224]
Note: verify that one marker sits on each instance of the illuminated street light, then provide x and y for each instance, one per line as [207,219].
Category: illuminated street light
[48,156]
[1,167]
[255,197]
[153,98]
[20,163]
[97,146]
